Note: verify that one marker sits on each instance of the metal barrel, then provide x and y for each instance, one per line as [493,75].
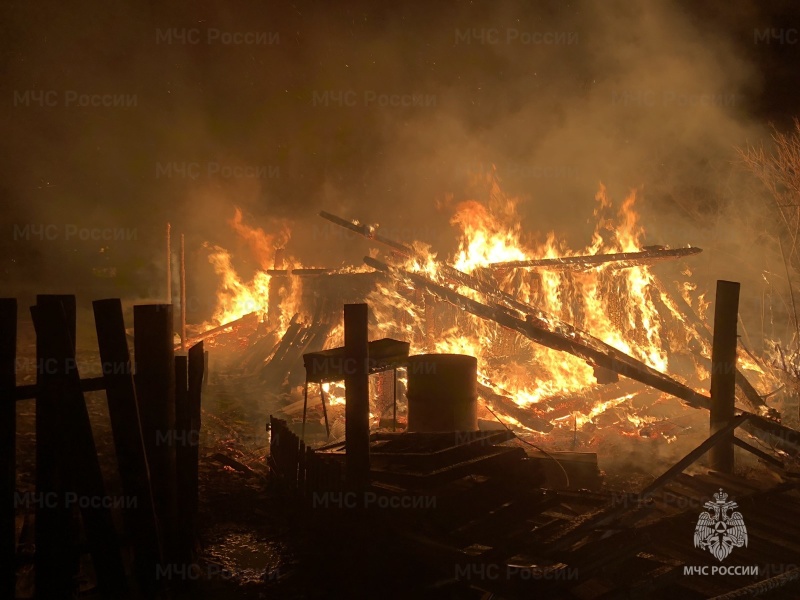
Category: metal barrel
[442,393]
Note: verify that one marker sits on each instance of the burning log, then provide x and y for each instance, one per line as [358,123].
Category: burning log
[624,260]
[284,272]
[220,329]
[511,408]
[580,344]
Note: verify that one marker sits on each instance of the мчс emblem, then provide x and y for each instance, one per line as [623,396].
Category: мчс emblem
[716,531]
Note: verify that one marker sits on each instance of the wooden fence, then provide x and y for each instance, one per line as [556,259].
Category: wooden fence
[155,423]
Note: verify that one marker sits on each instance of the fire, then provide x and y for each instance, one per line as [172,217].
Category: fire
[615,305]
[237,298]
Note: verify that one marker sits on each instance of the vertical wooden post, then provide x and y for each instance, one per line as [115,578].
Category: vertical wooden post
[155,390]
[183,296]
[57,558]
[205,368]
[430,322]
[305,409]
[356,344]
[196,370]
[394,399]
[183,439]
[123,411]
[83,477]
[8,430]
[169,266]
[723,372]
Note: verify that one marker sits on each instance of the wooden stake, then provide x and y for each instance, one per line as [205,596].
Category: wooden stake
[183,439]
[169,266]
[723,373]
[194,392]
[79,461]
[123,411]
[57,558]
[183,296]
[356,344]
[155,391]
[8,427]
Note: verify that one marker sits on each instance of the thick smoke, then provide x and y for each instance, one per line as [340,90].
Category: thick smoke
[375,112]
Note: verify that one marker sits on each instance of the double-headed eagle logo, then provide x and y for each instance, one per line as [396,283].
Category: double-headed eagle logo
[718,532]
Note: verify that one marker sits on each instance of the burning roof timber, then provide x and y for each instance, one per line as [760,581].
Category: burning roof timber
[552,328]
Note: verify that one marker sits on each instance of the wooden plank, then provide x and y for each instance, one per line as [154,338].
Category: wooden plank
[57,557]
[123,411]
[196,373]
[155,391]
[8,436]
[723,373]
[356,343]
[84,476]
[625,259]
[183,460]
[88,384]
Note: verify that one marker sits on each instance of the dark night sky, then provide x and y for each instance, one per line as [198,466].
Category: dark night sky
[556,118]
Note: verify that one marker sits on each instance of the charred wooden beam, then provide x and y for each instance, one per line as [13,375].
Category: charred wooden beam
[723,372]
[246,319]
[623,259]
[590,349]
[299,272]
[368,231]
[8,432]
[356,344]
[474,281]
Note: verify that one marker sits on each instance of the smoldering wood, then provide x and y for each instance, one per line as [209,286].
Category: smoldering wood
[8,433]
[81,466]
[129,446]
[581,526]
[622,259]
[723,372]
